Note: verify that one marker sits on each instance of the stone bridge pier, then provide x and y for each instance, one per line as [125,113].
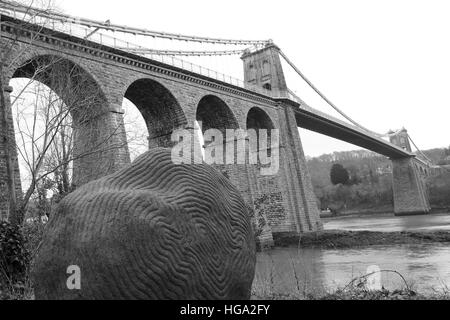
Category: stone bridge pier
[408,180]
[7,129]
[409,188]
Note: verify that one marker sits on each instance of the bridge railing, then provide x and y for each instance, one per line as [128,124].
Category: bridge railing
[177,62]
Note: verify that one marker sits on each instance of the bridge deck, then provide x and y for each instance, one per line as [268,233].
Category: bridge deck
[320,122]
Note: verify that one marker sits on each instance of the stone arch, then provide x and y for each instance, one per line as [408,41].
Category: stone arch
[267,196]
[267,86]
[258,119]
[161,111]
[74,85]
[22,55]
[213,113]
[98,145]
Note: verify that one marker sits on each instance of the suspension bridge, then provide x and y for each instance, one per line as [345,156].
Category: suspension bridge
[171,93]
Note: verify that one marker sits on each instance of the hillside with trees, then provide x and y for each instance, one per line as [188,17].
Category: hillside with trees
[361,181]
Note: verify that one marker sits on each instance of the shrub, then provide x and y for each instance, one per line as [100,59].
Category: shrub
[338,174]
[32,235]
[439,190]
[14,257]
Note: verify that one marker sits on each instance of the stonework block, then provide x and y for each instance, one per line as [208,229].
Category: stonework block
[409,189]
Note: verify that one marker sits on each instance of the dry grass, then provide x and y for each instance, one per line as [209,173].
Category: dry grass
[18,290]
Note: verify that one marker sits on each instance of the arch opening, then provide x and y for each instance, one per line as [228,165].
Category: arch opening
[135,129]
[73,85]
[160,111]
[69,113]
[258,119]
[214,113]
[50,103]
[267,86]
[43,132]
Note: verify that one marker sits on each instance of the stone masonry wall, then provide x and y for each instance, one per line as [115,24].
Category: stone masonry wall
[4,193]
[409,189]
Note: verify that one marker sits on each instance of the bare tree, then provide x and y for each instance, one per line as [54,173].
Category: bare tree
[6,138]
[136,129]
[60,155]
[46,129]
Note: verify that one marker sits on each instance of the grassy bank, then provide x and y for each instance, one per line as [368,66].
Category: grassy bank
[357,288]
[340,239]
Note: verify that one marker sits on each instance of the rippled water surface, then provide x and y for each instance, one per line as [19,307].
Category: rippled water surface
[425,266]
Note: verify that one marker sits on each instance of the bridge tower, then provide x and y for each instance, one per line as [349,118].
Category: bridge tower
[401,139]
[408,185]
[293,207]
[262,68]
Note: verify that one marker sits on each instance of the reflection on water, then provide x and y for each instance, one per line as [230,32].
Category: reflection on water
[295,271]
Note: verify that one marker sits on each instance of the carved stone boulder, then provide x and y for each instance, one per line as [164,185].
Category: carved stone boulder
[153,230]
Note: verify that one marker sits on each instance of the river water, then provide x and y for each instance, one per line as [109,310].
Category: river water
[426,267]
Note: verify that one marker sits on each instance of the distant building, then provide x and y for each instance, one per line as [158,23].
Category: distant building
[385,169]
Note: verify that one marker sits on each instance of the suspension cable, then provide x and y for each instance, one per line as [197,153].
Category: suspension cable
[64,18]
[420,151]
[324,97]
[429,160]
[181,52]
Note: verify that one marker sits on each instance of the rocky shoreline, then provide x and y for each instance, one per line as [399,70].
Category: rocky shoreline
[340,239]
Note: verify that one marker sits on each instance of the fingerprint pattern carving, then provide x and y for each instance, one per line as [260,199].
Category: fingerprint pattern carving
[153,230]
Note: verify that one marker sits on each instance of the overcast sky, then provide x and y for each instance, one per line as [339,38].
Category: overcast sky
[385,63]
